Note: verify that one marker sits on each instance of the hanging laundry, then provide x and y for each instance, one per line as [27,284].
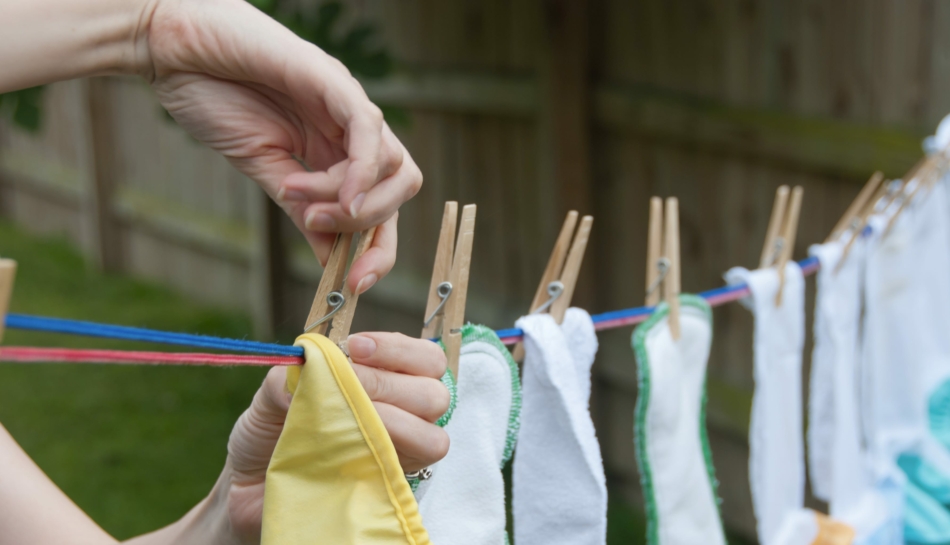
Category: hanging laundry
[673,454]
[335,476]
[868,501]
[898,344]
[776,451]
[559,491]
[463,502]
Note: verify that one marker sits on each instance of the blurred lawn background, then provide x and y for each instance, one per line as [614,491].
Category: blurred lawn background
[133,446]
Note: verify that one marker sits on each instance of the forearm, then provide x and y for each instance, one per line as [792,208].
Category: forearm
[33,509]
[42,41]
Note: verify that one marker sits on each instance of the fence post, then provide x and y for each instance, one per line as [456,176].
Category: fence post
[97,148]
[267,263]
[564,124]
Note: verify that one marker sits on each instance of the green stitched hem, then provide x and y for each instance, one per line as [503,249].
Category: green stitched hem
[638,342]
[475,333]
[448,379]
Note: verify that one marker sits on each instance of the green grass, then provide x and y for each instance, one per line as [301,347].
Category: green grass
[134,446]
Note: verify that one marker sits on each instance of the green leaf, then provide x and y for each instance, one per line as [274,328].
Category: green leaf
[26,107]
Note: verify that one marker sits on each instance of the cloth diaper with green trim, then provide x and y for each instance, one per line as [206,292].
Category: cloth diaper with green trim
[463,502]
[679,483]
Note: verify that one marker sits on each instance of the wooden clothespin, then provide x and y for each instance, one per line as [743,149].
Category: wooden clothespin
[789,232]
[335,304]
[663,259]
[780,236]
[7,276]
[860,221]
[771,247]
[926,173]
[850,217]
[559,279]
[448,290]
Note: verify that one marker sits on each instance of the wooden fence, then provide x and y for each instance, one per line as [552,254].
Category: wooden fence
[531,108]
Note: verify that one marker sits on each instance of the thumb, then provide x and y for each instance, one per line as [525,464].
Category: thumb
[255,434]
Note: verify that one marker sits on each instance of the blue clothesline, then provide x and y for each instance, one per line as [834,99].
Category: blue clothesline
[93,329]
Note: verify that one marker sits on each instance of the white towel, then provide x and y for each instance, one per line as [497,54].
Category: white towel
[776,450]
[559,491]
[463,503]
[676,469]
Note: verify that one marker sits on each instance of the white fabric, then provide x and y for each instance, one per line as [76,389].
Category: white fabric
[799,527]
[683,507]
[864,499]
[559,493]
[941,138]
[839,471]
[905,352]
[463,503]
[776,450]
[932,284]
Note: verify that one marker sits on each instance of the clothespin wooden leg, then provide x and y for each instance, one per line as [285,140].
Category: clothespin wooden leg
[572,269]
[654,252]
[7,276]
[332,279]
[455,307]
[671,251]
[857,205]
[552,271]
[343,319]
[774,229]
[861,222]
[434,317]
[789,231]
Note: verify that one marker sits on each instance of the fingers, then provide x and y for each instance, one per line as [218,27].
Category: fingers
[377,261]
[426,398]
[397,353]
[256,432]
[364,138]
[328,215]
[306,186]
[418,443]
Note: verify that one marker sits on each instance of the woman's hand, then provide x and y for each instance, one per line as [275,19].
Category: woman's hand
[401,376]
[284,113]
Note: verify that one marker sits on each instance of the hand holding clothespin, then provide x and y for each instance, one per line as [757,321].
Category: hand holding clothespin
[780,236]
[335,304]
[557,285]
[7,276]
[448,290]
[663,259]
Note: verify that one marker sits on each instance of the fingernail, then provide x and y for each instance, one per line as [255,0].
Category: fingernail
[285,195]
[318,221]
[366,283]
[361,347]
[357,204]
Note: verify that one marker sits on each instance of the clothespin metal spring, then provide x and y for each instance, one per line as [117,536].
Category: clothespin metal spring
[335,300]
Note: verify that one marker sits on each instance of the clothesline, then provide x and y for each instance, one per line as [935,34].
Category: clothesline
[27,354]
[274,354]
